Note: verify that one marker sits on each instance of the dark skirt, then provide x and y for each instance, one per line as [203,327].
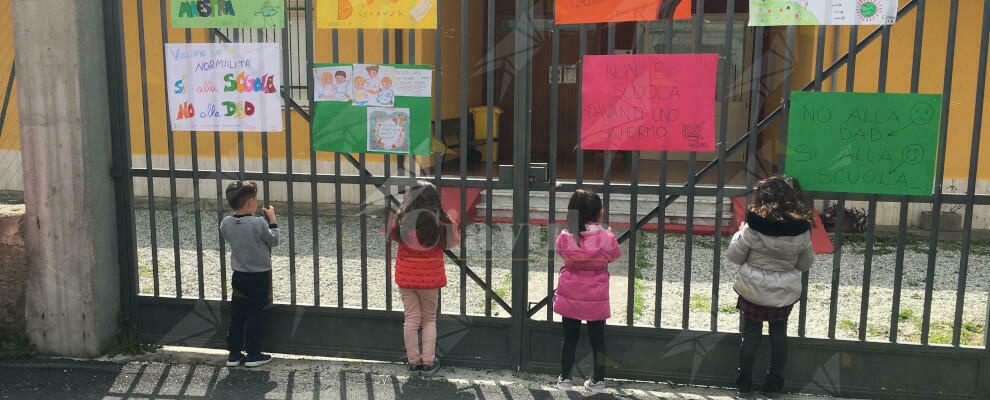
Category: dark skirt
[757,312]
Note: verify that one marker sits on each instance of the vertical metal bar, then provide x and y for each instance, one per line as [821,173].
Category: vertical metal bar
[582,50]
[338,218]
[173,198]
[464,150]
[754,111]
[555,78]
[290,185]
[193,143]
[363,198]
[240,134]
[607,170]
[730,10]
[412,60]
[489,148]
[788,70]
[820,54]
[974,162]
[662,198]
[633,269]
[313,197]
[6,97]
[871,225]
[840,209]
[220,201]
[950,53]
[387,189]
[520,199]
[699,23]
[438,107]
[919,30]
[149,164]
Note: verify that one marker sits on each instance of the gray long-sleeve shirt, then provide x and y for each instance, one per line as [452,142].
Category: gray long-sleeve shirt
[251,240]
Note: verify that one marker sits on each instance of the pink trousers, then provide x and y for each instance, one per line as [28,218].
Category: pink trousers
[421,312]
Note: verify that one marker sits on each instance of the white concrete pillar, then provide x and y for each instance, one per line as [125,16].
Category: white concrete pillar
[72,293]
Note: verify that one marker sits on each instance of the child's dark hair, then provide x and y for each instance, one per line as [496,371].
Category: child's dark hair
[239,192]
[421,211]
[780,198]
[585,206]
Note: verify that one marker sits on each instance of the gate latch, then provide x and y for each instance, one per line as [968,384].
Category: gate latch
[539,173]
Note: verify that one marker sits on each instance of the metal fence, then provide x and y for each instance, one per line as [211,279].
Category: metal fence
[177,289]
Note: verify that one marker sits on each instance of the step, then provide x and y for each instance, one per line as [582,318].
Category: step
[676,213]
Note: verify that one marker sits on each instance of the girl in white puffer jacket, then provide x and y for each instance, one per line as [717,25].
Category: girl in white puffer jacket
[772,248]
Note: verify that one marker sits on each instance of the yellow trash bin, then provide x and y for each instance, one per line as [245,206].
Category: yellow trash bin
[481,130]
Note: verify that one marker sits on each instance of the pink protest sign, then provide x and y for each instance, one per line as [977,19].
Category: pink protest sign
[649,102]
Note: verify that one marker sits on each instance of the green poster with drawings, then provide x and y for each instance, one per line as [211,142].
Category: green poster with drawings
[366,108]
[875,143]
[227,13]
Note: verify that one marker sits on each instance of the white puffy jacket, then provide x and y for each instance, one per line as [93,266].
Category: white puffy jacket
[771,255]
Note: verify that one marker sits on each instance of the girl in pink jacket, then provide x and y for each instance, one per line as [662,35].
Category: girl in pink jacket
[582,289]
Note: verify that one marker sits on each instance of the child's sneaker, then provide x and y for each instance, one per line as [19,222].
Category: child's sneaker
[413,368]
[564,383]
[744,395]
[257,360]
[594,386]
[432,368]
[234,359]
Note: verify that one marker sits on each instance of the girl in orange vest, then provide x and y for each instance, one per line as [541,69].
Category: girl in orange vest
[423,230]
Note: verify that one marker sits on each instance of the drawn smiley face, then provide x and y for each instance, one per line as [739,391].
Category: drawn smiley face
[922,113]
[913,154]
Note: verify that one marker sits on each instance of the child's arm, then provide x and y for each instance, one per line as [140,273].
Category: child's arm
[738,250]
[269,234]
[807,257]
[453,237]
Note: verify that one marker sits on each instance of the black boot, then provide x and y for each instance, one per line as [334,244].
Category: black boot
[774,384]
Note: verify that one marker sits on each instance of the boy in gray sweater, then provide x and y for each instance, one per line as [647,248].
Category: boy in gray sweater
[251,240]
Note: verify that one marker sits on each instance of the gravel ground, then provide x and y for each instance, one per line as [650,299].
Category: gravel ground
[299,262]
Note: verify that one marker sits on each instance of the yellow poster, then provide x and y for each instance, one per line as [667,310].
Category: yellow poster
[376,14]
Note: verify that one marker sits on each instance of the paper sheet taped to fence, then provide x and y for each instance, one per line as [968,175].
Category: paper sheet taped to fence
[376,14]
[224,86]
[227,13]
[650,102]
[822,12]
[877,143]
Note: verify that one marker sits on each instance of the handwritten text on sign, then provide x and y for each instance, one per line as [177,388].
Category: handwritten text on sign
[877,143]
[655,102]
[224,87]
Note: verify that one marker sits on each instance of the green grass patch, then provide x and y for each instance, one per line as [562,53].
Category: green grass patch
[882,245]
[709,244]
[145,271]
[127,343]
[728,309]
[849,325]
[639,301]
[502,287]
[905,314]
[700,302]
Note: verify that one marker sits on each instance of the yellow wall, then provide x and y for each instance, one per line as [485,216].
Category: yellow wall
[10,132]
[962,102]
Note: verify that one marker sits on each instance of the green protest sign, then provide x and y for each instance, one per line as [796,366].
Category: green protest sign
[366,108]
[876,143]
[227,13]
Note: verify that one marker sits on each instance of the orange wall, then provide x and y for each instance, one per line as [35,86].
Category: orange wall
[962,102]
[9,133]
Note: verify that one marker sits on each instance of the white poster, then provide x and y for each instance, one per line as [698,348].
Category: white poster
[333,83]
[822,12]
[373,85]
[413,82]
[224,86]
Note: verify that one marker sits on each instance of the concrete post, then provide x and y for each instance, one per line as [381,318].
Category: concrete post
[72,293]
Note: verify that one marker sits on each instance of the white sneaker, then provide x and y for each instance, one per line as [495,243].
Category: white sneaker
[595,386]
[564,384]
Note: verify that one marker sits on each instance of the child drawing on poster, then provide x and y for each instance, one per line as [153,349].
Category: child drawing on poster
[360,94]
[373,75]
[388,130]
[387,96]
[327,87]
[332,83]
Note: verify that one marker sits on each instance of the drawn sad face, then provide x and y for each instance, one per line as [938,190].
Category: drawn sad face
[922,113]
[912,154]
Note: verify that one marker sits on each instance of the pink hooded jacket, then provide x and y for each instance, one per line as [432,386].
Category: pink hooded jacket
[582,289]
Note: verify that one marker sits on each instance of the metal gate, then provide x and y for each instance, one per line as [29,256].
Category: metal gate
[334,293]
